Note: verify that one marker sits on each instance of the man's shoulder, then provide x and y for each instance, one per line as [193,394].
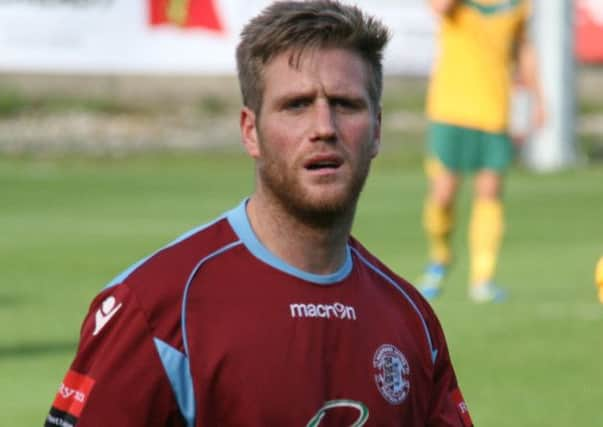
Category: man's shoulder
[375,264]
[155,285]
[404,294]
[397,282]
[181,253]
[175,260]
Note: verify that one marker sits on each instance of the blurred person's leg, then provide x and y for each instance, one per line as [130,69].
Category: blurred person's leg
[438,208]
[486,225]
[599,279]
[438,211]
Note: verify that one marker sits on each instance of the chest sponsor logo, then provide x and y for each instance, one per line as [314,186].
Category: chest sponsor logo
[107,310]
[325,311]
[392,374]
[363,412]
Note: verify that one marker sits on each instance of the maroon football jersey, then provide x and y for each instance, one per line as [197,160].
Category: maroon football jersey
[215,330]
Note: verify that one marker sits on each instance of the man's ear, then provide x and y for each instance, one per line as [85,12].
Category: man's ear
[249,133]
[376,135]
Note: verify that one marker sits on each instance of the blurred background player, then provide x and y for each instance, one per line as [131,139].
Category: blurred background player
[482,44]
[599,279]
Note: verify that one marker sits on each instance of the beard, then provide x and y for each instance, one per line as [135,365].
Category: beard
[324,210]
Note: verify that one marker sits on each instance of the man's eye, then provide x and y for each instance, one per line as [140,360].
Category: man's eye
[297,104]
[346,104]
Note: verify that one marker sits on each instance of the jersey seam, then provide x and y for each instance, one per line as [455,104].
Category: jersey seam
[149,332]
[180,239]
[225,248]
[433,351]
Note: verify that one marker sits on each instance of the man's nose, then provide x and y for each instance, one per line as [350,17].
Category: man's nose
[324,123]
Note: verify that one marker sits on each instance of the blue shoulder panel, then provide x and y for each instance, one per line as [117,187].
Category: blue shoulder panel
[178,371]
[240,223]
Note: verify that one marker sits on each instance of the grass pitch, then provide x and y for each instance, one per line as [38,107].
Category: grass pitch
[67,226]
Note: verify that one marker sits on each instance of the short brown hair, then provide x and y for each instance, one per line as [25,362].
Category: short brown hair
[299,25]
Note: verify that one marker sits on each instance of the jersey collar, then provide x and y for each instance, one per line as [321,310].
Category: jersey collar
[239,221]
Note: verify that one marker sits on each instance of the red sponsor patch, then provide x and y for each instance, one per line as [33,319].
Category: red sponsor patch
[73,393]
[461,407]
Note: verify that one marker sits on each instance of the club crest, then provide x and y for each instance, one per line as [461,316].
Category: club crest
[392,374]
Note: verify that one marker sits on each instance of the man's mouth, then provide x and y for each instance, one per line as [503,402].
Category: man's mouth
[323,163]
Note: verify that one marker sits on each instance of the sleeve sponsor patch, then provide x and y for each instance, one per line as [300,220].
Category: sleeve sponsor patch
[461,407]
[70,400]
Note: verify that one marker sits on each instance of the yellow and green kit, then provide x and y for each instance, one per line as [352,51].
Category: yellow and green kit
[469,92]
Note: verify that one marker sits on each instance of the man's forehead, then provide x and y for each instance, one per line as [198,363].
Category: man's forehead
[338,67]
[298,57]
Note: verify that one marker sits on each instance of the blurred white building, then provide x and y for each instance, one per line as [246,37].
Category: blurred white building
[119,36]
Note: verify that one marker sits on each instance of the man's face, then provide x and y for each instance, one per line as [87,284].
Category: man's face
[316,135]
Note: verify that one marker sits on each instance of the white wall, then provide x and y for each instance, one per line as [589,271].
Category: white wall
[113,36]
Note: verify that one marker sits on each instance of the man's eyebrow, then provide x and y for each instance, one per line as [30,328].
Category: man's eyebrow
[291,96]
[347,95]
[311,93]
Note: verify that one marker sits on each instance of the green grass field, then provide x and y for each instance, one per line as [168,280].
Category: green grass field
[68,225]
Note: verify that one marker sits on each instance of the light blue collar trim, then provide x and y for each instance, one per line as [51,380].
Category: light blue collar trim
[240,223]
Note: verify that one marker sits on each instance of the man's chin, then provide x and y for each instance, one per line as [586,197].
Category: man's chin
[316,204]
[323,210]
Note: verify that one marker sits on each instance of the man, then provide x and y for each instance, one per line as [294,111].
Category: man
[272,315]
[468,109]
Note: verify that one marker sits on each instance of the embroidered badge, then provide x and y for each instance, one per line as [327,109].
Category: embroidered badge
[392,374]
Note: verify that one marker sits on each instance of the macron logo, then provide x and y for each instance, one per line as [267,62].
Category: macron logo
[105,313]
[325,311]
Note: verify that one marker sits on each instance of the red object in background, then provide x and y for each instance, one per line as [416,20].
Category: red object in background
[198,14]
[589,31]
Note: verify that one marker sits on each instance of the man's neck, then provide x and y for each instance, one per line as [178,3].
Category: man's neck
[317,250]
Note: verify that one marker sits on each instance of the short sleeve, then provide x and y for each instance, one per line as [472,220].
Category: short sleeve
[447,407]
[116,377]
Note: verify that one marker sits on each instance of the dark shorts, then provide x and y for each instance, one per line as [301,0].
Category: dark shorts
[462,149]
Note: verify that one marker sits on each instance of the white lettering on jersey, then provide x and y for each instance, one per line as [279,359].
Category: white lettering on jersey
[58,421]
[67,393]
[105,313]
[325,311]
